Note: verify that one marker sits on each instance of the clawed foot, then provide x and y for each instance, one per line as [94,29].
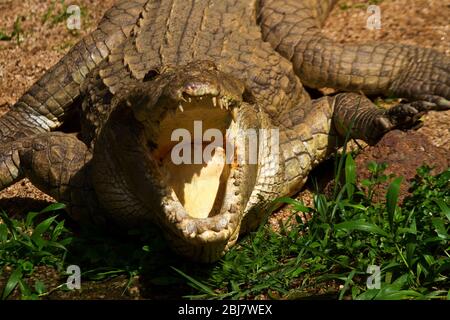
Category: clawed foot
[440,103]
[407,115]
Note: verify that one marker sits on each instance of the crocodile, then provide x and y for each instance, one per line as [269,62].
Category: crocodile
[232,72]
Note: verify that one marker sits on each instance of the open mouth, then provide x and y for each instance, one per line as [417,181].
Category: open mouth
[196,151]
[180,160]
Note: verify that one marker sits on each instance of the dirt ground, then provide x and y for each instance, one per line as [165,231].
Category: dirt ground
[419,22]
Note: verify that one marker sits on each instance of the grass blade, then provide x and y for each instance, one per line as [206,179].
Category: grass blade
[54,207]
[444,207]
[361,226]
[297,205]
[350,175]
[440,228]
[197,284]
[12,283]
[392,199]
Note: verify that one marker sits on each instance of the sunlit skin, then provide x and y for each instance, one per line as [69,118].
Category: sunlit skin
[155,67]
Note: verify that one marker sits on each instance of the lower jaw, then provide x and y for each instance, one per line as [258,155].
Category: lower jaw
[201,182]
[213,226]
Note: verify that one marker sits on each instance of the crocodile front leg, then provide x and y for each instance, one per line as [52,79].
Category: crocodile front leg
[47,103]
[307,140]
[58,164]
[293,29]
[365,121]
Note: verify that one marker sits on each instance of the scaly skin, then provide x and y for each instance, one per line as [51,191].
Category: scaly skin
[47,103]
[374,68]
[150,58]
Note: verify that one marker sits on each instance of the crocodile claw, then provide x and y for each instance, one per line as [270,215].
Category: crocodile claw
[407,115]
[440,103]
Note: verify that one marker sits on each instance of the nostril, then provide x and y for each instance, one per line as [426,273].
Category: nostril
[248,97]
[150,75]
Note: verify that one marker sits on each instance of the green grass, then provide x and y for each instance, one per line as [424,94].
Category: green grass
[326,257]
[57,13]
[15,34]
[345,236]
[42,239]
[25,245]
[359,5]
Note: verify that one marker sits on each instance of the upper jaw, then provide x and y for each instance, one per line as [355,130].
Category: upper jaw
[197,80]
[203,78]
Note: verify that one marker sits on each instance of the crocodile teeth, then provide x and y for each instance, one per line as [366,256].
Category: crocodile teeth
[190,100]
[180,107]
[224,103]
[214,101]
[234,114]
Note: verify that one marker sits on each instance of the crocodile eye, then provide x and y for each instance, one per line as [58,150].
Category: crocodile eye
[150,75]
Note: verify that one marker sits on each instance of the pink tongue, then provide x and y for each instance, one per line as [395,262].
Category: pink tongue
[198,185]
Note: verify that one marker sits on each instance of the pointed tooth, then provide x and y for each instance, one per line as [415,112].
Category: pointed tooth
[214,101]
[234,114]
[180,106]
[190,100]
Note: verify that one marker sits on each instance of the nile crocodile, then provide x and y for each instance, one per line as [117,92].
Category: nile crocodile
[155,67]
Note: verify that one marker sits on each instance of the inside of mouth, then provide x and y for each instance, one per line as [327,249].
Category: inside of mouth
[195,166]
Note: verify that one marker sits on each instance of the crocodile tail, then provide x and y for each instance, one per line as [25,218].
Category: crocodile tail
[293,28]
